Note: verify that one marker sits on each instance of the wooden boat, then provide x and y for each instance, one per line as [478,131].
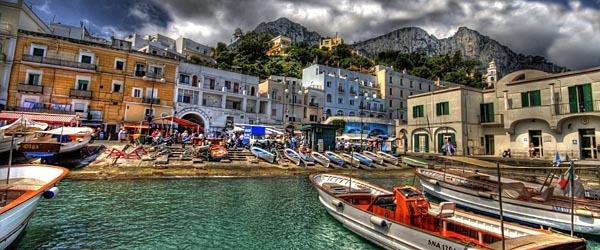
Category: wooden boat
[217,152]
[404,219]
[353,161]
[263,154]
[363,159]
[413,162]
[306,160]
[388,157]
[374,157]
[21,130]
[21,196]
[292,156]
[57,141]
[321,159]
[522,204]
[335,158]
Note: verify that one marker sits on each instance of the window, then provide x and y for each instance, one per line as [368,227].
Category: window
[390,103]
[33,77]
[140,69]
[117,87]
[401,82]
[442,108]
[79,107]
[401,93]
[86,56]
[429,87]
[151,93]
[328,84]
[418,111]
[38,50]
[411,93]
[313,118]
[184,79]
[328,97]
[340,100]
[420,86]
[136,92]
[82,83]
[148,112]
[390,91]
[86,59]
[401,104]
[580,98]
[187,96]
[156,70]
[119,64]
[228,85]
[411,84]
[390,79]
[352,102]
[274,94]
[531,99]
[486,112]
[340,113]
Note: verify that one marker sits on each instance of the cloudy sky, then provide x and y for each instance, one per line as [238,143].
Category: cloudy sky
[566,32]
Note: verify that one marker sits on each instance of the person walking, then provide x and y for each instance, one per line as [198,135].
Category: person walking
[122,134]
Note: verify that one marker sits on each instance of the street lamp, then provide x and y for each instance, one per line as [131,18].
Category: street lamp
[364,97]
[153,77]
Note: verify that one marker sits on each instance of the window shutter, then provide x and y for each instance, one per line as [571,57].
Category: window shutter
[426,148]
[573,99]
[482,112]
[491,116]
[525,99]
[438,109]
[414,111]
[588,103]
[446,108]
[537,99]
[440,141]
[416,139]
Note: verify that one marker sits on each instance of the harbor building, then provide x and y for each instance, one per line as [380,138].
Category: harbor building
[293,103]
[532,113]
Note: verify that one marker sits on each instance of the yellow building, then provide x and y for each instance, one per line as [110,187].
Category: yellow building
[102,82]
[279,42]
[330,43]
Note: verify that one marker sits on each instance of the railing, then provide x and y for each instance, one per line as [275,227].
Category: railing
[87,94]
[150,100]
[213,105]
[21,87]
[496,119]
[313,104]
[59,62]
[139,73]
[5,28]
[352,92]
[250,109]
[43,110]
[340,90]
[155,75]
[573,108]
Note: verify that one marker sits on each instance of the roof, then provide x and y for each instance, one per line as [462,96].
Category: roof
[40,117]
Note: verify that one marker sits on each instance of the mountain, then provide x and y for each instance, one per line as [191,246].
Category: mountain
[285,27]
[471,43]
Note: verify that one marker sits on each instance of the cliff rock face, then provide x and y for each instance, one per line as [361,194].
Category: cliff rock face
[294,31]
[472,45]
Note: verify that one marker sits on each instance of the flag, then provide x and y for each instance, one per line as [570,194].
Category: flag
[556,159]
[564,181]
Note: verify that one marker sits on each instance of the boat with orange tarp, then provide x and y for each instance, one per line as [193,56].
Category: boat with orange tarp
[218,152]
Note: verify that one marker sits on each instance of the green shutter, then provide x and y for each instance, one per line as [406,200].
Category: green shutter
[482,112]
[438,109]
[588,102]
[573,99]
[453,138]
[426,148]
[537,98]
[440,142]
[490,107]
[416,140]
[446,108]
[525,99]
[414,111]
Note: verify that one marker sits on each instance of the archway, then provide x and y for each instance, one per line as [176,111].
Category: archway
[196,119]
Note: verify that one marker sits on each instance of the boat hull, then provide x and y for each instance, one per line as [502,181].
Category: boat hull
[321,159]
[14,222]
[292,156]
[363,159]
[374,157]
[335,159]
[63,148]
[263,154]
[410,162]
[388,158]
[352,161]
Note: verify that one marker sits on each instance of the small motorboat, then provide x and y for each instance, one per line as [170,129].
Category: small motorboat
[335,158]
[263,154]
[412,162]
[217,152]
[21,130]
[306,160]
[321,159]
[363,159]
[57,141]
[292,156]
[388,157]
[403,218]
[374,157]
[353,161]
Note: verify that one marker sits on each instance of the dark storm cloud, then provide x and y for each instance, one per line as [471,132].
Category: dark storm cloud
[557,29]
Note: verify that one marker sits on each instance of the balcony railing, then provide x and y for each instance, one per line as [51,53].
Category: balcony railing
[153,75]
[5,28]
[43,110]
[496,119]
[85,94]
[38,89]
[313,104]
[340,90]
[139,73]
[573,108]
[59,62]
[150,100]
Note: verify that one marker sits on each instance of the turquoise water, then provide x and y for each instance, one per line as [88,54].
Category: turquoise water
[253,213]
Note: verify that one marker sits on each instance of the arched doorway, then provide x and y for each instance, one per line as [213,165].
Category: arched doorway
[196,119]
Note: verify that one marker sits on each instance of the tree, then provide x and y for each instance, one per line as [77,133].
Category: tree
[341,124]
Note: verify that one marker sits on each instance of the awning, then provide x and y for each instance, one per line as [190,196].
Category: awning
[40,117]
[181,122]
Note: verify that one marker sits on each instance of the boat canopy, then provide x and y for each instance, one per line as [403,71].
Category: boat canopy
[68,131]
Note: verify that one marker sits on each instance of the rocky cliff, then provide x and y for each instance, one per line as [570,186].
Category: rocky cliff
[472,45]
[285,27]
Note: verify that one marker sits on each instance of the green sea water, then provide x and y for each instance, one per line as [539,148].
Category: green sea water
[229,213]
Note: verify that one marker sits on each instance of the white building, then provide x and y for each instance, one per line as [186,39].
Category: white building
[293,102]
[180,48]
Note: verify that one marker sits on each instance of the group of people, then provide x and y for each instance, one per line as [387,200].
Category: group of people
[343,145]
[449,148]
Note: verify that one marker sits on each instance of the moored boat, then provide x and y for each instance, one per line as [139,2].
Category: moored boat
[353,161]
[263,154]
[404,219]
[57,141]
[21,130]
[321,159]
[335,158]
[306,160]
[374,157]
[218,152]
[363,159]
[388,157]
[20,197]
[413,162]
[520,203]
[292,156]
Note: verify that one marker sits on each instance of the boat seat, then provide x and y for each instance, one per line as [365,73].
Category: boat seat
[546,195]
[444,210]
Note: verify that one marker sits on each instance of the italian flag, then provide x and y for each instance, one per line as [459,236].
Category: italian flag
[564,181]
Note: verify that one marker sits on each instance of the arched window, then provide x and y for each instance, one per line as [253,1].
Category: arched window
[351,113]
[328,112]
[328,97]
[340,113]
[390,91]
[252,91]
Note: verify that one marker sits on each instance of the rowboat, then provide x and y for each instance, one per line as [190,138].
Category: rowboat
[520,203]
[363,159]
[335,158]
[20,197]
[353,161]
[217,152]
[23,129]
[388,158]
[403,218]
[413,162]
[374,157]
[321,159]
[57,141]
[306,160]
[292,156]
[263,154]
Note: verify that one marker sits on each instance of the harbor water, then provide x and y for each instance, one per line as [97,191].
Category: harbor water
[225,213]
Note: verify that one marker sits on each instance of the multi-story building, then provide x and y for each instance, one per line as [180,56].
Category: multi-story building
[14,16]
[217,98]
[331,43]
[102,83]
[180,48]
[191,49]
[293,102]
[528,110]
[279,42]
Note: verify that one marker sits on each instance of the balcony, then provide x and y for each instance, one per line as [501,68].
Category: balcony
[58,62]
[150,100]
[313,104]
[152,75]
[36,89]
[495,120]
[574,108]
[139,73]
[83,94]
[340,90]
[5,28]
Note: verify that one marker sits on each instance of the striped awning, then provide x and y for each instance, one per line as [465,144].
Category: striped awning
[39,117]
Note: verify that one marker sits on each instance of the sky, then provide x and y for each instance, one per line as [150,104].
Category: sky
[566,32]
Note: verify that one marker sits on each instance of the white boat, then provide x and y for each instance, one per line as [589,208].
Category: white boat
[404,219]
[374,157]
[292,156]
[57,141]
[413,162]
[335,158]
[321,159]
[353,161]
[363,159]
[388,158]
[263,154]
[20,197]
[21,130]
[306,160]
[522,204]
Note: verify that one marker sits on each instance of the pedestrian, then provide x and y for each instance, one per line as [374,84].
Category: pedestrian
[531,150]
[122,134]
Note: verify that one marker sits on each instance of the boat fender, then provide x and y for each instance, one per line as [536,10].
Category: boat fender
[434,182]
[337,203]
[583,212]
[50,193]
[484,195]
[378,221]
